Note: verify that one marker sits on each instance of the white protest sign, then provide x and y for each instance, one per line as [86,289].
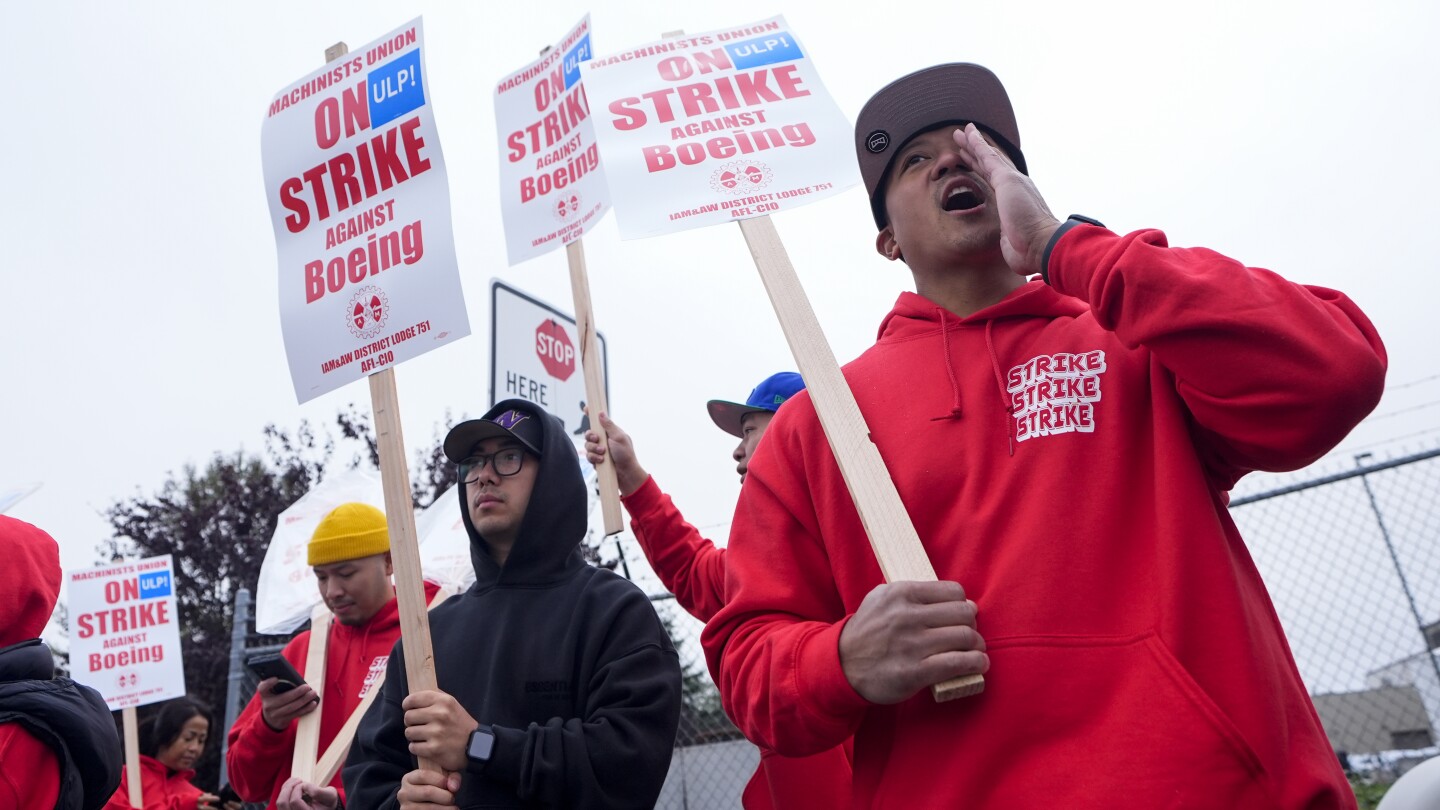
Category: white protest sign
[361,208]
[444,543]
[534,355]
[13,495]
[124,632]
[715,127]
[551,188]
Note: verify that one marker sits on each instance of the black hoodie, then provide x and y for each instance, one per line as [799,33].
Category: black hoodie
[567,662]
[72,719]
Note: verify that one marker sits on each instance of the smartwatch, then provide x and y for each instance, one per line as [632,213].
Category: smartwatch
[1070,222]
[481,746]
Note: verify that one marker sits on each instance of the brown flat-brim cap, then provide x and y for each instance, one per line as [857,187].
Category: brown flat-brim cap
[956,93]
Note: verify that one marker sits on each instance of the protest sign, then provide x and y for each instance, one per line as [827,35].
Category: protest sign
[13,495]
[714,127]
[125,635]
[355,179]
[761,70]
[551,188]
[535,355]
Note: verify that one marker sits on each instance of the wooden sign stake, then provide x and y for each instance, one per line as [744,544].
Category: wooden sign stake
[339,748]
[400,516]
[132,756]
[307,729]
[897,546]
[594,367]
[404,546]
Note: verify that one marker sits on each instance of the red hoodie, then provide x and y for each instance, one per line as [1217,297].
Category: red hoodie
[694,570]
[1065,455]
[29,769]
[161,788]
[258,758]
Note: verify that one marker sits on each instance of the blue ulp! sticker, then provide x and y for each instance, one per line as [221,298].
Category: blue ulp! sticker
[766,50]
[395,89]
[580,52]
[155,585]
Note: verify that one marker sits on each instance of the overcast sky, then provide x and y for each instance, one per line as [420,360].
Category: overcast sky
[139,277]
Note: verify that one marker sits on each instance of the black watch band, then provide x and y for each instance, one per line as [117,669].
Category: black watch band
[1070,222]
[480,746]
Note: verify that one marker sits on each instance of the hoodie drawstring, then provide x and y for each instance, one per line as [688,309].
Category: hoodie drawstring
[955,411]
[1005,403]
[1000,385]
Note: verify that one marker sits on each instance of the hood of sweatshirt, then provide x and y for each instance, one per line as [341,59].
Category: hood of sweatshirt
[31,582]
[915,317]
[548,544]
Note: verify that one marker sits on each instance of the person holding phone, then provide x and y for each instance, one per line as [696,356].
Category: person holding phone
[172,739]
[350,555]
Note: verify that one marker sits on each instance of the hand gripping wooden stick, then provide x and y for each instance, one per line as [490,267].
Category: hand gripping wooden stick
[892,535]
[594,367]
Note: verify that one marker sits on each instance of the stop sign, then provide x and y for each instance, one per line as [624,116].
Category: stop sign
[556,351]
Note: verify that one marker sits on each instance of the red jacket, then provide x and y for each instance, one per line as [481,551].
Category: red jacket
[694,570]
[161,788]
[1065,456]
[29,770]
[258,759]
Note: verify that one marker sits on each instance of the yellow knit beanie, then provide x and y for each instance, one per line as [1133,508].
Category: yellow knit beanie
[349,532]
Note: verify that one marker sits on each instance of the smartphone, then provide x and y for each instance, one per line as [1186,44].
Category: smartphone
[227,794]
[274,665]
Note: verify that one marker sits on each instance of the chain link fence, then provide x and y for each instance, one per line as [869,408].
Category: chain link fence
[1352,561]
[1351,557]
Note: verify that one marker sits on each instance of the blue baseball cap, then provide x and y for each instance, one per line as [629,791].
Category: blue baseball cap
[767,396]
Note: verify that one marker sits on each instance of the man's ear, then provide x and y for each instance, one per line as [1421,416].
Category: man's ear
[886,245]
[389,565]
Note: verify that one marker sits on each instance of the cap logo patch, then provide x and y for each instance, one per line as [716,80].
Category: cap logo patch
[779,399]
[510,419]
[877,141]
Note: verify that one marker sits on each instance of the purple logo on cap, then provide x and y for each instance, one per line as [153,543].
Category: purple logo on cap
[510,419]
[877,141]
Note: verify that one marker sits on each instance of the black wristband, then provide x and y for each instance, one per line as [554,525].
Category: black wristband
[1070,222]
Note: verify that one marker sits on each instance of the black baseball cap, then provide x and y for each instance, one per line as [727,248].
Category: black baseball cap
[512,418]
[956,93]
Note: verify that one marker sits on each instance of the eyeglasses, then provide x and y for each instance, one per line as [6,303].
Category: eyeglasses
[506,462]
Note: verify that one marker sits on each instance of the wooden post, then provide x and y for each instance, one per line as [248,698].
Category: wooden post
[892,536]
[132,757]
[594,367]
[897,546]
[339,747]
[307,729]
[404,546]
[400,516]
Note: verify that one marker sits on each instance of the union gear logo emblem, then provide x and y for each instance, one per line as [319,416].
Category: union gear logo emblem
[741,177]
[367,312]
[566,207]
